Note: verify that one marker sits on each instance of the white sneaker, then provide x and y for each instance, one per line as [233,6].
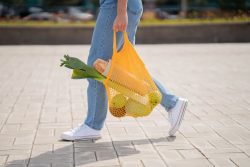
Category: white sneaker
[176,115]
[81,132]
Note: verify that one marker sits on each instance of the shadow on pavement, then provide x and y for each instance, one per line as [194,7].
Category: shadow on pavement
[84,152]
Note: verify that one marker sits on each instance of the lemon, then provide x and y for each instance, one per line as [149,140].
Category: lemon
[118,101]
[136,109]
[154,98]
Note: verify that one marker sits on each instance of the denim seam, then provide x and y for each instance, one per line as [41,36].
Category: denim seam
[101,43]
[138,12]
[172,103]
[103,34]
[110,7]
[92,122]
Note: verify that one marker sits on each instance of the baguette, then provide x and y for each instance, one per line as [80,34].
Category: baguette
[122,77]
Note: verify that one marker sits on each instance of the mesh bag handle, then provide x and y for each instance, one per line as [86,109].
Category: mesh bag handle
[126,41]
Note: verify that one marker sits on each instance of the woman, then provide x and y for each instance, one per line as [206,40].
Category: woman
[116,15]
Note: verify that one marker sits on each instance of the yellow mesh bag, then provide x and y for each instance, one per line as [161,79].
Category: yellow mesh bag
[130,88]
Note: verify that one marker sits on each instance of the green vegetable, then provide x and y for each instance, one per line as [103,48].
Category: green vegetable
[81,70]
[72,62]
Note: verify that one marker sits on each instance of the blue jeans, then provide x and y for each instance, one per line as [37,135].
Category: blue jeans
[102,47]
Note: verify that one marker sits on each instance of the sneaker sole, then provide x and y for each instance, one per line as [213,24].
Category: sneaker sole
[179,120]
[80,138]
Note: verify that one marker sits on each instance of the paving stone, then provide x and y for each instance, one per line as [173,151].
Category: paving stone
[201,143]
[40,165]
[242,162]
[3,159]
[221,144]
[28,126]
[170,154]
[142,155]
[173,146]
[15,165]
[10,128]
[105,155]
[45,132]
[63,148]
[27,139]
[84,158]
[47,140]
[144,147]
[152,163]
[135,163]
[15,151]
[18,159]
[41,149]
[90,143]
[127,150]
[62,164]
[103,163]
[222,162]
[190,154]
[52,158]
[6,140]
[133,130]
[190,162]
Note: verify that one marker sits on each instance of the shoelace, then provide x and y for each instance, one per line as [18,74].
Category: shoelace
[76,129]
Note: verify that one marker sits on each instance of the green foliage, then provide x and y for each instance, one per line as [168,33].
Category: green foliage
[232,4]
[72,62]
[61,2]
[198,2]
[222,4]
[14,2]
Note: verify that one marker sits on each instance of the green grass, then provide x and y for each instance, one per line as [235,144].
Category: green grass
[148,22]
[195,21]
[45,24]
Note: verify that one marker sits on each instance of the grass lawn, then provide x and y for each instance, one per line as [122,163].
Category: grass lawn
[13,23]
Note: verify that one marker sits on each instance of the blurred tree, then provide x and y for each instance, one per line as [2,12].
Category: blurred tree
[33,2]
[232,4]
[14,2]
[199,2]
[61,2]
[222,4]
[184,8]
[167,2]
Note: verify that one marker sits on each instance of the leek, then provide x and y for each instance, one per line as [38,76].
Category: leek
[80,69]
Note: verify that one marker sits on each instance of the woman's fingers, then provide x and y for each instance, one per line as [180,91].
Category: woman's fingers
[118,27]
[123,27]
[120,24]
[114,27]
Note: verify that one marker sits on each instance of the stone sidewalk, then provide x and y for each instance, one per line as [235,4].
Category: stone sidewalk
[38,101]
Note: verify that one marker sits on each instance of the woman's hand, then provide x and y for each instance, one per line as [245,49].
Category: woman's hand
[121,20]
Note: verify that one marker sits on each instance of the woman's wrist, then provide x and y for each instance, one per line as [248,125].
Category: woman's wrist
[122,8]
[121,20]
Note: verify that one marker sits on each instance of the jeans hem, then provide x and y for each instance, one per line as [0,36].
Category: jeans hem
[172,104]
[91,126]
